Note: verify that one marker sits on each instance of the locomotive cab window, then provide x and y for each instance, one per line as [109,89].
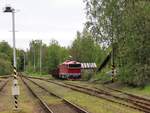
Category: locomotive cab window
[75,65]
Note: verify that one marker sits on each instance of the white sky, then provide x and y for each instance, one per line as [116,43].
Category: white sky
[42,19]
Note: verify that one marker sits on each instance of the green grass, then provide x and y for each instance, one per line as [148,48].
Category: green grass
[145,92]
[25,99]
[44,95]
[96,105]
[139,91]
[102,76]
[51,99]
[39,75]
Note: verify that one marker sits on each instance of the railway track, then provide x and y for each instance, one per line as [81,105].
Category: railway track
[67,104]
[6,76]
[128,102]
[127,96]
[135,100]
[4,84]
[42,103]
[108,96]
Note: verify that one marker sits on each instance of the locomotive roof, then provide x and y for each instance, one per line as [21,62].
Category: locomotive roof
[71,62]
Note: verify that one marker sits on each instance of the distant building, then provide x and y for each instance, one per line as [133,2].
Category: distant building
[88,66]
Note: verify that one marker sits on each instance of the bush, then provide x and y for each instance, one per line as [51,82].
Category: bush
[5,67]
[135,75]
[86,74]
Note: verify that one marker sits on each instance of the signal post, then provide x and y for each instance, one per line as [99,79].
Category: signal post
[15,86]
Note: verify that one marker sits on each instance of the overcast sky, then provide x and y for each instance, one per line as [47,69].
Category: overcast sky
[42,19]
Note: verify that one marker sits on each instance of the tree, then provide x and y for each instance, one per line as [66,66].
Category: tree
[123,24]
[5,67]
[56,55]
[5,58]
[20,60]
[34,55]
[85,49]
[52,56]
[5,51]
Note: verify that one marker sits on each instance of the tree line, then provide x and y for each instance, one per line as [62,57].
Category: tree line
[43,59]
[82,49]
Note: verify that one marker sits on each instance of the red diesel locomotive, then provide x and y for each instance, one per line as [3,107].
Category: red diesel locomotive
[68,70]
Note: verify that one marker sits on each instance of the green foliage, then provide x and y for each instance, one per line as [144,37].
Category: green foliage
[5,51]
[56,55]
[6,54]
[123,24]
[20,60]
[53,53]
[87,74]
[5,67]
[5,58]
[85,49]
[52,56]
[136,46]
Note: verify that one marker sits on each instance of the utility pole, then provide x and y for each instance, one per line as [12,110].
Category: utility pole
[113,52]
[24,61]
[15,87]
[40,57]
[34,56]
[113,61]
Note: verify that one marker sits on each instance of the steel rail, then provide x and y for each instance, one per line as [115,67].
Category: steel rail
[79,109]
[43,104]
[128,94]
[136,99]
[5,83]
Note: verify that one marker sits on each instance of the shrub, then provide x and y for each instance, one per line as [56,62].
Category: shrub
[5,67]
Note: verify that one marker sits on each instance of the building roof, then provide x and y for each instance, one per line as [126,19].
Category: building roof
[88,65]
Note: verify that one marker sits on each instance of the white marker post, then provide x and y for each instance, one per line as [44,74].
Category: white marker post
[15,88]
[15,92]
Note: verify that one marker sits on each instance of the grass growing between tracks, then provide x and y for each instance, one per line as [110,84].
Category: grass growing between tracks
[26,100]
[139,91]
[92,104]
[44,95]
[35,74]
[144,92]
